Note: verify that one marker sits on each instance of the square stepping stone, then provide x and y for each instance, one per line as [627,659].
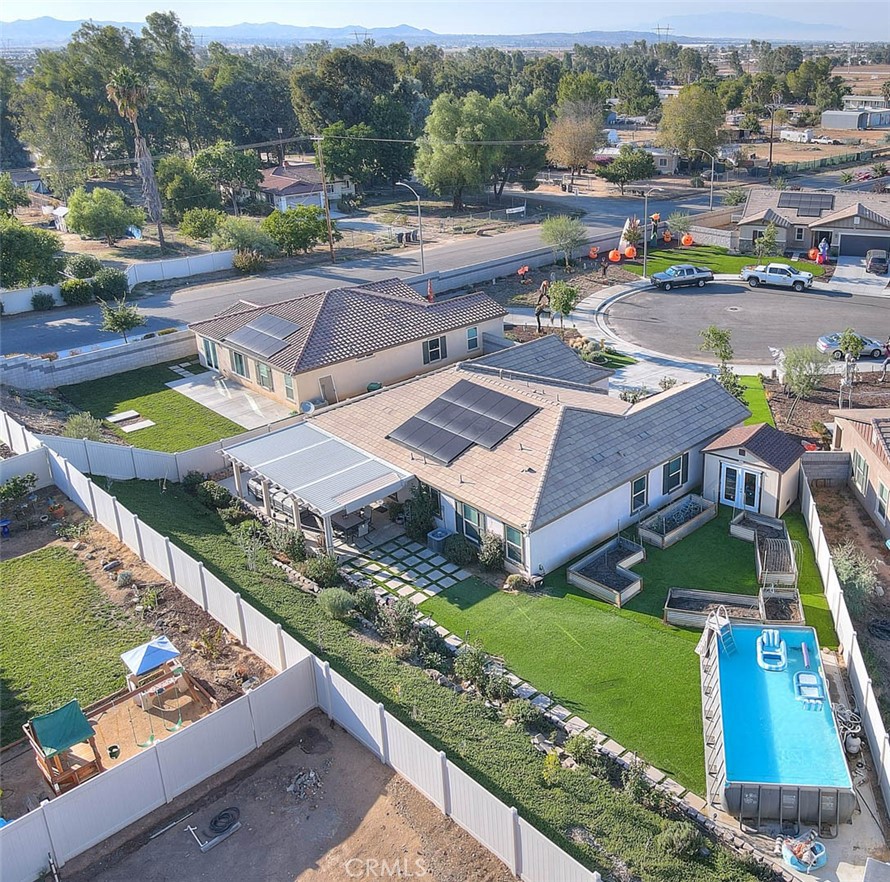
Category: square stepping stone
[442,632]
[406,591]
[654,775]
[394,584]
[460,575]
[558,712]
[426,553]
[438,561]
[412,561]
[672,786]
[423,567]
[450,568]
[372,567]
[454,641]
[428,592]
[512,679]
[575,726]
[421,582]
[120,417]
[594,735]
[433,590]
[695,802]
[398,553]
[614,747]
[418,598]
[427,622]
[541,701]
[526,690]
[380,592]
[446,581]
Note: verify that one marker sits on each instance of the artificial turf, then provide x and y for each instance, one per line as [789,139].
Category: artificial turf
[718,260]
[180,423]
[755,399]
[61,638]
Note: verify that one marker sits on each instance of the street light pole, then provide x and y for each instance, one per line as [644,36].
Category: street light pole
[280,146]
[711,196]
[772,116]
[419,222]
[645,225]
[319,139]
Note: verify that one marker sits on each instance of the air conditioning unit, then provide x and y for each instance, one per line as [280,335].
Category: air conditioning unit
[312,405]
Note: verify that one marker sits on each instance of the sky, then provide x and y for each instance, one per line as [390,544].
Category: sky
[459,16]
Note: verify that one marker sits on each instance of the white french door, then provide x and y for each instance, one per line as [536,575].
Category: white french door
[740,487]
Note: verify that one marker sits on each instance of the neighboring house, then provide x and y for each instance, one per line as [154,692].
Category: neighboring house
[525,445]
[855,119]
[755,468]
[299,183]
[852,222]
[866,102]
[864,433]
[333,345]
[28,179]
[666,161]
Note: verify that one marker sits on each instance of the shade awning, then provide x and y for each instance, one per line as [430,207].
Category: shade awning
[328,474]
[62,728]
[149,656]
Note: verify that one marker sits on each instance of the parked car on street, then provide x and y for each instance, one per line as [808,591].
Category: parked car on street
[876,262]
[682,274]
[778,274]
[830,343]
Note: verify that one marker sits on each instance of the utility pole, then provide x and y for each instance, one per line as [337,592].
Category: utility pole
[772,116]
[324,190]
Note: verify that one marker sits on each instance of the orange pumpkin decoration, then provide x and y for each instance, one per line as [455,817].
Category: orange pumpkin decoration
[655,218]
[614,256]
[687,239]
[667,237]
[813,253]
[630,252]
[594,253]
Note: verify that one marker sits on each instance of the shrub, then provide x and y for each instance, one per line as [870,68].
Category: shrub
[491,552]
[459,550]
[253,529]
[469,664]
[322,569]
[242,234]
[433,650]
[396,621]
[200,223]
[234,514]
[110,284]
[164,331]
[581,749]
[517,582]
[291,543]
[420,513]
[498,688]
[77,292]
[735,196]
[83,425]
[192,479]
[248,262]
[336,602]
[213,495]
[42,301]
[82,266]
[551,768]
[365,602]
[858,575]
[681,839]
[523,711]
[124,578]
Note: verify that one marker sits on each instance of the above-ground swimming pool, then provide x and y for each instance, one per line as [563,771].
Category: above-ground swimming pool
[772,745]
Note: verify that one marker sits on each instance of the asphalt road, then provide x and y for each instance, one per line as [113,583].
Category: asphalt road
[74,327]
[759,318]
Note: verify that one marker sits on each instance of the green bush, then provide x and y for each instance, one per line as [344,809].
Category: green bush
[42,301]
[110,284]
[77,292]
[551,769]
[192,479]
[858,575]
[291,543]
[213,495]
[681,839]
[498,688]
[469,664]
[164,331]
[200,223]
[251,529]
[234,514]
[83,425]
[491,552]
[581,749]
[336,602]
[523,711]
[124,579]
[420,512]
[366,604]
[396,620]
[82,266]
[242,234]
[322,569]
[248,262]
[459,550]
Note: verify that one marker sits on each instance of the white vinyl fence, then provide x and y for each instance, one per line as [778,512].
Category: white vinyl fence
[875,731]
[74,822]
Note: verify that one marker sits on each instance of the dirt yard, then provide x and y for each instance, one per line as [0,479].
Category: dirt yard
[44,412]
[342,822]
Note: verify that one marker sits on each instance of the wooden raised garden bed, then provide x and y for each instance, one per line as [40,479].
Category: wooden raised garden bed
[689,608]
[774,552]
[677,520]
[604,572]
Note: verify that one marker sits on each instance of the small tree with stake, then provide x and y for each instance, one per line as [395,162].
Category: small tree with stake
[563,299]
[719,341]
[805,369]
[563,233]
[767,244]
[120,317]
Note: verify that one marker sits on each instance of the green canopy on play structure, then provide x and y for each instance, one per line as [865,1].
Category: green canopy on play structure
[62,728]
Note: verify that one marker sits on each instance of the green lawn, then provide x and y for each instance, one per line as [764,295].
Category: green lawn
[718,260]
[755,398]
[615,360]
[61,638]
[180,422]
[624,671]
[498,757]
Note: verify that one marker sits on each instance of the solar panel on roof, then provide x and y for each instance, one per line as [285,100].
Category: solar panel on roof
[463,415]
[256,342]
[274,326]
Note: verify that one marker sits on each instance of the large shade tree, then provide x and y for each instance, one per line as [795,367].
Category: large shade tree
[691,120]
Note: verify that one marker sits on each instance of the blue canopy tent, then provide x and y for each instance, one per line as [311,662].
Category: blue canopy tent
[150,656]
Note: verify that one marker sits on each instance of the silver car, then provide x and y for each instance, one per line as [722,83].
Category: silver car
[830,343]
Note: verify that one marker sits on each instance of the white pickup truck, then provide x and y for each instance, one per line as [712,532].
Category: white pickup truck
[779,274]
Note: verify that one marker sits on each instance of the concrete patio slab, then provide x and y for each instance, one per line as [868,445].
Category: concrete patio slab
[230,400]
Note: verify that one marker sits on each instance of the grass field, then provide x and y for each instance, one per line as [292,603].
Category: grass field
[717,259]
[61,638]
[180,423]
[755,398]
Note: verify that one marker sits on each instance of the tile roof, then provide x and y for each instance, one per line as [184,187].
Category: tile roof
[767,216]
[762,199]
[876,417]
[777,449]
[291,179]
[579,445]
[347,323]
[855,210]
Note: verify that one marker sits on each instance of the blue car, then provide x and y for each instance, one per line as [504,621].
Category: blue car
[682,274]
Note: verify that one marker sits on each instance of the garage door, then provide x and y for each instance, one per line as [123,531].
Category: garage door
[857,245]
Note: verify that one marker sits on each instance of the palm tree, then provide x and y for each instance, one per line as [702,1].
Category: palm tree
[128,91]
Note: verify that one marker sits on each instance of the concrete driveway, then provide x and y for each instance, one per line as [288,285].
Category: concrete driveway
[240,405]
[850,275]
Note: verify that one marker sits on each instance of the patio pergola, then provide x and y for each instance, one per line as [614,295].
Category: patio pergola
[316,470]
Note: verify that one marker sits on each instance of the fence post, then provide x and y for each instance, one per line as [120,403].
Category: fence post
[117,518]
[279,633]
[7,437]
[169,551]
[49,836]
[204,604]
[167,797]
[176,463]
[141,550]
[241,624]
[517,844]
[86,453]
[93,510]
[446,784]
[67,468]
[384,734]
[133,459]
[326,670]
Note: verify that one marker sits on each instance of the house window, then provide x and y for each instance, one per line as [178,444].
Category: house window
[289,387]
[639,492]
[469,522]
[662,161]
[881,504]
[210,354]
[860,472]
[676,473]
[798,234]
[264,375]
[513,544]
[239,365]
[472,339]
[434,350]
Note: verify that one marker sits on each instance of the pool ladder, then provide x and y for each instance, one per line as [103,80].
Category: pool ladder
[718,622]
